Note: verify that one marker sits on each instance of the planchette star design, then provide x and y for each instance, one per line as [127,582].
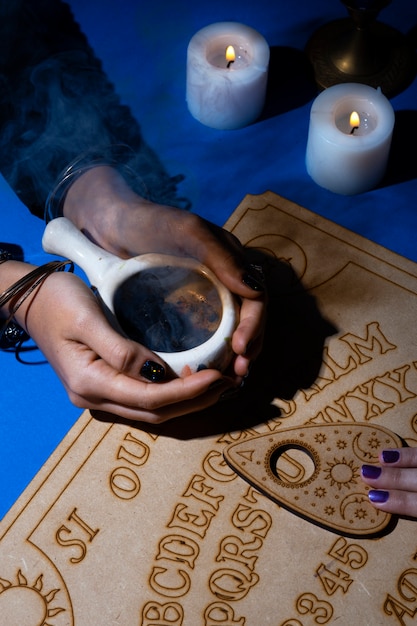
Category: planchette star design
[314,471]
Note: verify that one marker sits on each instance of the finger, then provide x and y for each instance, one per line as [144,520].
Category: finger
[120,353]
[399,457]
[95,381]
[223,253]
[247,338]
[150,411]
[399,502]
[404,479]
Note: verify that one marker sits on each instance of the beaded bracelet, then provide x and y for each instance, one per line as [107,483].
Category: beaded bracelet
[11,334]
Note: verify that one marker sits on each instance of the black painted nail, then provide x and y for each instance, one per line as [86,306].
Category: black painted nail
[371,471]
[229,394]
[390,456]
[378,497]
[153,371]
[254,277]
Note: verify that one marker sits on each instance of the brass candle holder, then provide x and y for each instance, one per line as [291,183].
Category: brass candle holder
[360,49]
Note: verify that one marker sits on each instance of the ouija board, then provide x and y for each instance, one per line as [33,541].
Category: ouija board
[252,512]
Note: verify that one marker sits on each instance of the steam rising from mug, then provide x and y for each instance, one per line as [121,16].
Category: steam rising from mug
[173,305]
[57,103]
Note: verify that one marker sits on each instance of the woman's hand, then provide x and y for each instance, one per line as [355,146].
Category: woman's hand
[104,207]
[394,483]
[98,367]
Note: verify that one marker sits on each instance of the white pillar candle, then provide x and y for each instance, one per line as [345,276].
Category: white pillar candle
[221,92]
[343,157]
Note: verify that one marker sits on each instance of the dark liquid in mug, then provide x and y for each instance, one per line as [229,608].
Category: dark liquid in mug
[168,309]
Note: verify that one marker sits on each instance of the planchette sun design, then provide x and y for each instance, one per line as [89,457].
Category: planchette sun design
[314,471]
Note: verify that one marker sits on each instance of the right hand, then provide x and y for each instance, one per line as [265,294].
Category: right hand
[99,368]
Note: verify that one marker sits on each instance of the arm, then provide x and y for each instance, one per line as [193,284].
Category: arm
[59,105]
[100,369]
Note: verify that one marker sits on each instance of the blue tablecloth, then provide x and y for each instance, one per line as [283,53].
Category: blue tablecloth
[143,49]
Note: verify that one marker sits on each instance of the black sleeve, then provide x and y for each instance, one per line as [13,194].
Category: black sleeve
[57,103]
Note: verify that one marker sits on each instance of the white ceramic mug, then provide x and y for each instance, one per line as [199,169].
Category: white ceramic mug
[107,273]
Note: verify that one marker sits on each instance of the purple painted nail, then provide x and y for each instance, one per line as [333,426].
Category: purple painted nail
[371,471]
[378,497]
[390,456]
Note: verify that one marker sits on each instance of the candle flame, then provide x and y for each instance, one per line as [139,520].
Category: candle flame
[230,54]
[354,120]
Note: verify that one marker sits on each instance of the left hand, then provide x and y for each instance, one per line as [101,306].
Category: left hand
[394,483]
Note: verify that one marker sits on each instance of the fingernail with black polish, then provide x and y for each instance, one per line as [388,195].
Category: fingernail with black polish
[229,394]
[155,372]
[390,456]
[378,497]
[371,471]
[254,277]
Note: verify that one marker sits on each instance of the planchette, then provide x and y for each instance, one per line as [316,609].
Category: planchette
[314,471]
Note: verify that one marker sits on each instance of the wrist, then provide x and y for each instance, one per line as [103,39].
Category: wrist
[12,331]
[105,208]
[23,284]
[11,272]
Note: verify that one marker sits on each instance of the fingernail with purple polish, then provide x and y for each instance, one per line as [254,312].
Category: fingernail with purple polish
[390,456]
[378,496]
[371,471]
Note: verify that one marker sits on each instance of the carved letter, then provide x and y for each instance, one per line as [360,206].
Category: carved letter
[124,483]
[397,382]
[172,583]
[254,521]
[194,522]
[221,613]
[200,490]
[397,608]
[139,453]
[216,467]
[75,541]
[233,548]
[365,349]
[230,584]
[178,548]
[169,614]
[406,582]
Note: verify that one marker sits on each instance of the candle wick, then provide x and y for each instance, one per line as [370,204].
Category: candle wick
[353,129]
[230,63]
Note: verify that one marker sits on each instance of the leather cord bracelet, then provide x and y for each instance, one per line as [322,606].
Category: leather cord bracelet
[11,333]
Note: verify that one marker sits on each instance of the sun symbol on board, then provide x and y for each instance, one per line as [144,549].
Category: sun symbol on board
[361,513]
[320,492]
[374,443]
[341,473]
[22,604]
[330,510]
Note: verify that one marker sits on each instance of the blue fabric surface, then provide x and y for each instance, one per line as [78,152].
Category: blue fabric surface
[143,50]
